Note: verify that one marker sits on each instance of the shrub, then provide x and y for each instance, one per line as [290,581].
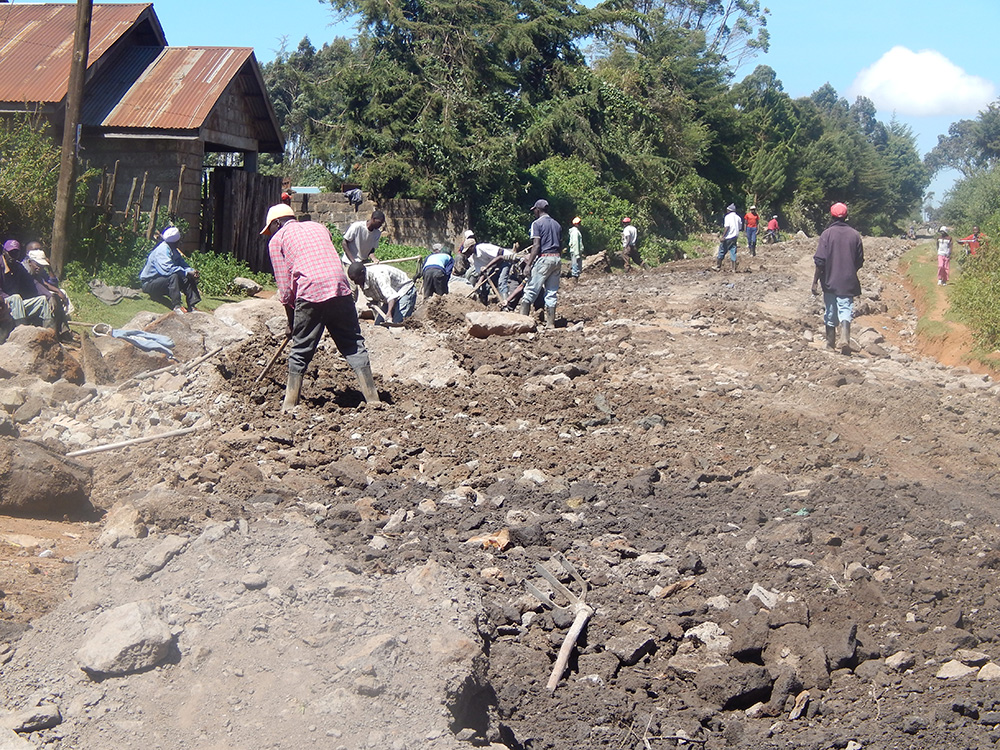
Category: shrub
[975,296]
[116,255]
[29,171]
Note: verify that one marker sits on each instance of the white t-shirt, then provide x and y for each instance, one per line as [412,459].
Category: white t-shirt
[629,236]
[484,253]
[733,225]
[944,247]
[362,242]
[384,283]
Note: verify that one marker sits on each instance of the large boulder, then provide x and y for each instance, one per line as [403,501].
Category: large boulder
[35,481]
[194,334]
[249,315]
[37,351]
[121,360]
[402,354]
[595,264]
[126,639]
[487,323]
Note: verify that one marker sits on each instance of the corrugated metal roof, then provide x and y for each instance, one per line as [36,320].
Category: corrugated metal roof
[178,91]
[36,45]
[107,89]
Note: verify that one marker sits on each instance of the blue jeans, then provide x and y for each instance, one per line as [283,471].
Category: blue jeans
[544,275]
[405,305]
[838,309]
[751,237]
[575,264]
[728,245]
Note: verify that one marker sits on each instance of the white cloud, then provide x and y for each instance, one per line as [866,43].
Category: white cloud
[922,84]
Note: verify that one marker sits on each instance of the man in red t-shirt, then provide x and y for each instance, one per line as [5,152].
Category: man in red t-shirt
[973,242]
[772,229]
[750,221]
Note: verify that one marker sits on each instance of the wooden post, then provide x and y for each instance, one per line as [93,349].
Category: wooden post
[128,203]
[138,208]
[67,164]
[153,212]
[101,187]
[170,204]
[110,195]
[180,190]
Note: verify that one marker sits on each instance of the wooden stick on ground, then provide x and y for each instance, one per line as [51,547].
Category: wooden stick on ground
[272,360]
[136,441]
[583,613]
[194,363]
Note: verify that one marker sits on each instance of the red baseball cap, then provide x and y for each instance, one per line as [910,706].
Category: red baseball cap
[838,210]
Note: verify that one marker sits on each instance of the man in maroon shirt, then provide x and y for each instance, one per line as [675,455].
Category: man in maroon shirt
[316,294]
[839,256]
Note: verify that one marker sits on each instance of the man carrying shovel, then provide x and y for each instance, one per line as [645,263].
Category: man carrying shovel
[316,294]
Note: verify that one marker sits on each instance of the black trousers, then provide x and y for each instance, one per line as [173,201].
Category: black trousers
[339,317]
[167,289]
[435,281]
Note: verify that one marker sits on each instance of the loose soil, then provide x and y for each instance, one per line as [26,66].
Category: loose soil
[682,438]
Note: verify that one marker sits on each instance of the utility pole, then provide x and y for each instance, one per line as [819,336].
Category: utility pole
[67,166]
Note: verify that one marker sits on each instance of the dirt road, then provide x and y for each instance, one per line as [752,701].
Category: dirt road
[784,547]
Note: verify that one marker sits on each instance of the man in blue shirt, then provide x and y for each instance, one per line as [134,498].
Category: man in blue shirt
[544,263]
[167,274]
[437,270]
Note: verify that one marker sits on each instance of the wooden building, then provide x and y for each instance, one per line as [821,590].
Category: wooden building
[152,113]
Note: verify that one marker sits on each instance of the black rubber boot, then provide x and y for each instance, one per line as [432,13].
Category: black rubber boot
[831,337]
[845,338]
[525,308]
[550,317]
[364,373]
[292,389]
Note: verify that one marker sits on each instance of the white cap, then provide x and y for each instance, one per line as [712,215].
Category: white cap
[171,234]
[38,256]
[469,233]
[277,211]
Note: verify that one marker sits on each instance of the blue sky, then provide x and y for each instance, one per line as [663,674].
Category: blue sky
[929,63]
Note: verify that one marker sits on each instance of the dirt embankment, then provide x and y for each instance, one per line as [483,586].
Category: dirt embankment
[783,547]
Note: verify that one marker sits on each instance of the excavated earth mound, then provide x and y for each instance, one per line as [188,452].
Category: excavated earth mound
[783,547]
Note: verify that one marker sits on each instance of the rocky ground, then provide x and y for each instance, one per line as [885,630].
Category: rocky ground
[782,547]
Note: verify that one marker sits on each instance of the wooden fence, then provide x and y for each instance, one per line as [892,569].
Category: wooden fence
[233,206]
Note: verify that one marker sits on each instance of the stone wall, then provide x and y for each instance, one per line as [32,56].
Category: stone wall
[407,222]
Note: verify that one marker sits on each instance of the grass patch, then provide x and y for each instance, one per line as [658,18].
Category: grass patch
[920,268]
[89,309]
[969,300]
[933,330]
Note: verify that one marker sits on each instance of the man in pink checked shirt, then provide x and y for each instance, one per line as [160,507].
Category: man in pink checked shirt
[316,294]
